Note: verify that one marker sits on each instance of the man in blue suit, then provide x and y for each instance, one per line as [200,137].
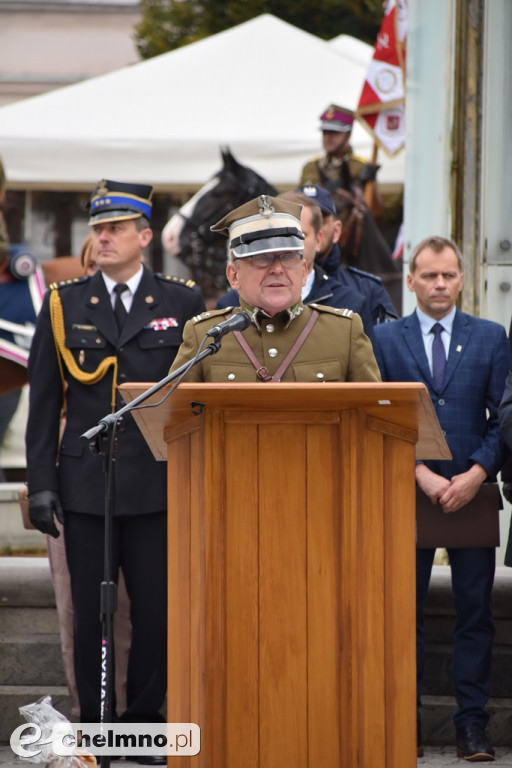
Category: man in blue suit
[475,355]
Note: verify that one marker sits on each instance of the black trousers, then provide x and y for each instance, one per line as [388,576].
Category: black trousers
[139,544]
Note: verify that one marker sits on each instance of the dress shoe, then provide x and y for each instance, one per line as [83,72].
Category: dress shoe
[473,744]
[151,760]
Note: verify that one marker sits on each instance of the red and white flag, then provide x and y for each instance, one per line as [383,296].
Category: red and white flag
[381,108]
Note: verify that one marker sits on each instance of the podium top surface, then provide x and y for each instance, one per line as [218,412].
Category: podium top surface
[405,404]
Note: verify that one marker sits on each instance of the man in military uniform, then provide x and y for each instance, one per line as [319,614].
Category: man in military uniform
[328,257]
[285,340]
[123,323]
[319,287]
[339,164]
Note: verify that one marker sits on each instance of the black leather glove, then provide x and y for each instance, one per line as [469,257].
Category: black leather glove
[368,173]
[42,505]
[507,490]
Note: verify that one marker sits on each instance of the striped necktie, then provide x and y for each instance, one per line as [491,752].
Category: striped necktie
[438,356]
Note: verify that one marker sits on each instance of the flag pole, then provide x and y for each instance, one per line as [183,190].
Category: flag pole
[369,190]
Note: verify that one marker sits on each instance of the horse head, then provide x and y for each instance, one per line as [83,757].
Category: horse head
[187,235]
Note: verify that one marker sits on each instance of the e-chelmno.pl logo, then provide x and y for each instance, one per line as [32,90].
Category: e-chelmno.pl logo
[123,739]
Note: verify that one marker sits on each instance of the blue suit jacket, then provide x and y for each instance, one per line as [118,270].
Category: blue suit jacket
[478,363]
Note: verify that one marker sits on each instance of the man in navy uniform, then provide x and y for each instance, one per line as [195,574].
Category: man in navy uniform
[121,324]
[329,258]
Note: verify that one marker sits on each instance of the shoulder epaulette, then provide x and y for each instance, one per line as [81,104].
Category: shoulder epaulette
[358,158]
[211,313]
[70,281]
[340,311]
[174,279]
[367,275]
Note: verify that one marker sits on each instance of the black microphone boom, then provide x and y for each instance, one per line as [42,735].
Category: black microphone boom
[237,322]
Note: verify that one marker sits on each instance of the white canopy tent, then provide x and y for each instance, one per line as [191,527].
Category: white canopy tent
[353,49]
[258,88]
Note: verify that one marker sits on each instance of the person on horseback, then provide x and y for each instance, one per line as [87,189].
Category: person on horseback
[339,166]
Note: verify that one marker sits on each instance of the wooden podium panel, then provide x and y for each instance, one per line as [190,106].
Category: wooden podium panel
[291,569]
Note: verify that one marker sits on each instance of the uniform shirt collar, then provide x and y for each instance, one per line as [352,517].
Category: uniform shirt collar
[287,315]
[308,285]
[426,321]
[132,283]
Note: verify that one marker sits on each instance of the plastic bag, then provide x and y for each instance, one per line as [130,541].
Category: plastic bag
[42,714]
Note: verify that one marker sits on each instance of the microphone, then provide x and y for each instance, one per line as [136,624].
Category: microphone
[237,322]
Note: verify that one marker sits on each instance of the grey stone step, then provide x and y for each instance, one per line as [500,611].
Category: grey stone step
[438,676]
[31,659]
[20,619]
[437,720]
[13,536]
[26,581]
[14,696]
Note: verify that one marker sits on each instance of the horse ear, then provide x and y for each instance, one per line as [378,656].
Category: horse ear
[230,162]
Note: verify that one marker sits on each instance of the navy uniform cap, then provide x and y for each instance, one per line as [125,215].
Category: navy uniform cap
[116,201]
[321,197]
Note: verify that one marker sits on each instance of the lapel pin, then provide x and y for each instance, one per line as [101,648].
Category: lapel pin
[459,348]
[94,300]
[149,299]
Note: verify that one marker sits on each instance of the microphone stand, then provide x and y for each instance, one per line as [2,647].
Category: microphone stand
[104,439]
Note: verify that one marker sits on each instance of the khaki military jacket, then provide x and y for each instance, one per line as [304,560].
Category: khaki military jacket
[319,169]
[336,348]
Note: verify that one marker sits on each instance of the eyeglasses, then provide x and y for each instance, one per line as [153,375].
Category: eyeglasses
[264,260]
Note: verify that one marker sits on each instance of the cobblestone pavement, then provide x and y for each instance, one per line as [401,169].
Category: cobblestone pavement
[435,757]
[440,757]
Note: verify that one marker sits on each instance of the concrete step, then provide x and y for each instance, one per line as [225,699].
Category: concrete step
[437,720]
[14,538]
[31,659]
[438,677]
[30,653]
[21,619]
[12,697]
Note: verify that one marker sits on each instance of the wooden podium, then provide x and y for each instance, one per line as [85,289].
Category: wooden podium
[291,569]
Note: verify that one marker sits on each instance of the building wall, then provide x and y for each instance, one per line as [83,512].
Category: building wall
[48,45]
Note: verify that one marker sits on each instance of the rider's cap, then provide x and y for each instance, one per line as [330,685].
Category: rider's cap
[115,200]
[263,225]
[336,119]
[321,197]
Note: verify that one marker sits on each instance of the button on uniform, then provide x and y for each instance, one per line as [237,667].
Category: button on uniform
[273,352]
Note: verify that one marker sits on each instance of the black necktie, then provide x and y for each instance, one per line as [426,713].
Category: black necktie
[438,356]
[119,308]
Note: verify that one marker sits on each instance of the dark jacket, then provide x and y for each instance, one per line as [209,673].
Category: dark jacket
[144,351]
[370,286]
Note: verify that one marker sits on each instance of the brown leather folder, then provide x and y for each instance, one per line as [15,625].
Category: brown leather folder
[475,525]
